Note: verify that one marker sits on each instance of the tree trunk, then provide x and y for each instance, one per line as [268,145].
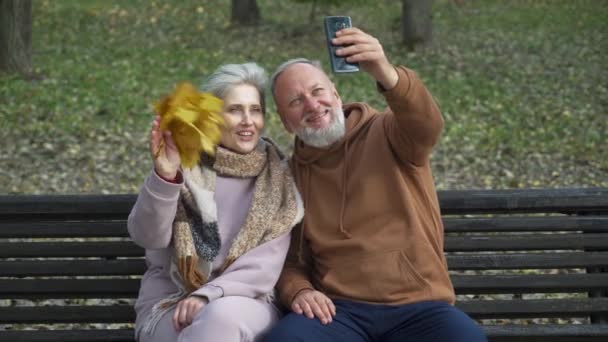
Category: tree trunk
[16,36]
[416,22]
[245,12]
[313,12]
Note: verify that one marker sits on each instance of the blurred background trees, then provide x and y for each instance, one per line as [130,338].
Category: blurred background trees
[416,23]
[245,12]
[16,36]
[521,84]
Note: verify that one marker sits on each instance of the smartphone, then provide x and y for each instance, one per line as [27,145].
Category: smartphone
[332,25]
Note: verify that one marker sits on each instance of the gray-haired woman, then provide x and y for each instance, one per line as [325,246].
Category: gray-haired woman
[216,235]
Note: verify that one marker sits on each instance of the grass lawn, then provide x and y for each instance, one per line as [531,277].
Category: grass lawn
[522,85]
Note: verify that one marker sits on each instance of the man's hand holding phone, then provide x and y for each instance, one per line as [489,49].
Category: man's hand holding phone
[356,46]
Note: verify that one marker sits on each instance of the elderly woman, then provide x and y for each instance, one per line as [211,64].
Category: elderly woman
[215,235]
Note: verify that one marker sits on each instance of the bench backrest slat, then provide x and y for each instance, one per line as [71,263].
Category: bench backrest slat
[69,288]
[525,242]
[592,224]
[69,249]
[74,267]
[501,261]
[524,201]
[533,308]
[35,228]
[63,314]
[71,335]
[529,283]
[451,202]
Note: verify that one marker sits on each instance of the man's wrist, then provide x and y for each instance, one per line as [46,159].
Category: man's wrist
[387,78]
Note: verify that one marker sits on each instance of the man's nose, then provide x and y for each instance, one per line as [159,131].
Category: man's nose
[310,104]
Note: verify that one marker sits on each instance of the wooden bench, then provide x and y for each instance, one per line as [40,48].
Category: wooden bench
[529,265]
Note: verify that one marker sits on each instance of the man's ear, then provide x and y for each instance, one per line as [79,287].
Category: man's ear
[333,89]
[286,124]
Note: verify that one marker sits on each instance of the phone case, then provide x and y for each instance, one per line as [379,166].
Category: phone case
[332,25]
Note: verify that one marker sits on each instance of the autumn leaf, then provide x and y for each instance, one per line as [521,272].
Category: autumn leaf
[194,120]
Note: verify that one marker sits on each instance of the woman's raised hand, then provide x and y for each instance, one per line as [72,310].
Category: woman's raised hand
[164,152]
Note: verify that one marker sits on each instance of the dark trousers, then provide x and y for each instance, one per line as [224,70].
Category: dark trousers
[361,322]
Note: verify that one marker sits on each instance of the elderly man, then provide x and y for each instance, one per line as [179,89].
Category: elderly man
[367,262]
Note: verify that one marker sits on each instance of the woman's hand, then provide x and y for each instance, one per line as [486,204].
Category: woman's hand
[164,152]
[186,310]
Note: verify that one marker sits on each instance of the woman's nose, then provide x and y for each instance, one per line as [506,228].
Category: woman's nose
[246,118]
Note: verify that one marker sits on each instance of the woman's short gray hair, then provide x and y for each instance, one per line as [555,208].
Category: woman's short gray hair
[227,76]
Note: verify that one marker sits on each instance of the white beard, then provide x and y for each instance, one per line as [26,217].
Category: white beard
[324,137]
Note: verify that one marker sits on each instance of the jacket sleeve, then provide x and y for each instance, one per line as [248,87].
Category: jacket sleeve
[296,272]
[253,274]
[150,221]
[416,123]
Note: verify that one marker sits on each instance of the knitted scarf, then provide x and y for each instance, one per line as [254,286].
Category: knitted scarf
[275,208]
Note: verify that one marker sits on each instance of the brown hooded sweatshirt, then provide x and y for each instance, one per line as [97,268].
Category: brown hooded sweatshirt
[372,229]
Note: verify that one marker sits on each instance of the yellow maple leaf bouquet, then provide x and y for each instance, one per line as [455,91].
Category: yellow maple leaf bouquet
[194,120]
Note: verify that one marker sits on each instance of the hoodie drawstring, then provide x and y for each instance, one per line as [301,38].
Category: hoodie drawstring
[343,202]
